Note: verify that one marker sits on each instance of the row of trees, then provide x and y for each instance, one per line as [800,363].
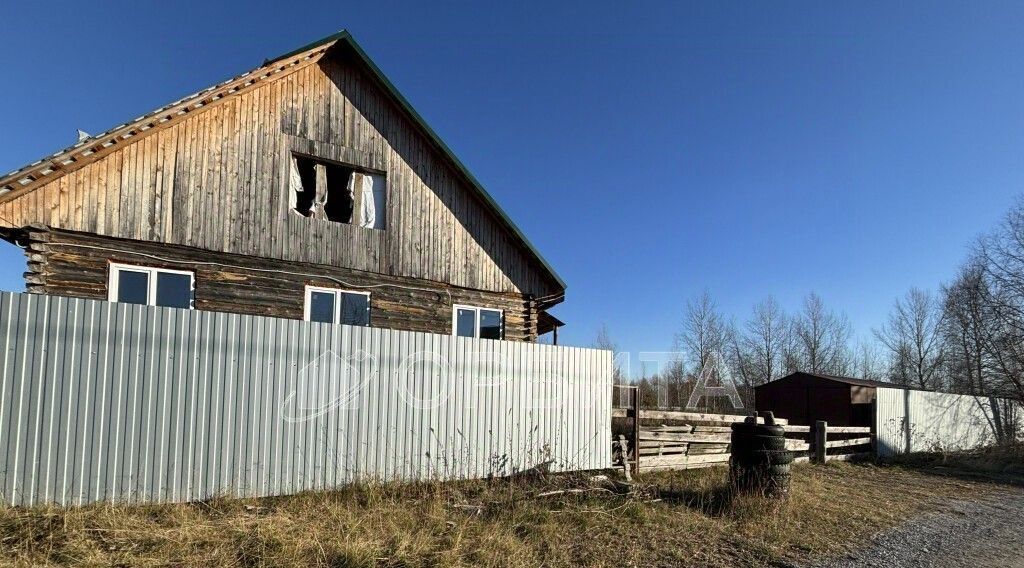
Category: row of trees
[967,337]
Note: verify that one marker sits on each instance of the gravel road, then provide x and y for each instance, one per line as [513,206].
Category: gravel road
[984,533]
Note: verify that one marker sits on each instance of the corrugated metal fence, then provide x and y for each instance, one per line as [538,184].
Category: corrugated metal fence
[922,421]
[104,401]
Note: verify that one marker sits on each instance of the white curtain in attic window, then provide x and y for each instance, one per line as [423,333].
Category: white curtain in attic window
[295,183]
[373,200]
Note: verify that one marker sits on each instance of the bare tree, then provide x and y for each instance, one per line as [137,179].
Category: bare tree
[966,329]
[981,354]
[1000,258]
[821,338]
[604,341]
[869,362]
[760,348]
[912,337]
[676,383]
[704,330]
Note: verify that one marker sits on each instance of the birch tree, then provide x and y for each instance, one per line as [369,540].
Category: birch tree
[821,338]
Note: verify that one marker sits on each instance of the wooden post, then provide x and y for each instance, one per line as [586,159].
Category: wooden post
[626,467]
[636,430]
[820,439]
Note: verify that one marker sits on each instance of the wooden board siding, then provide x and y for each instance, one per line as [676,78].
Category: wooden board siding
[74,264]
[217,180]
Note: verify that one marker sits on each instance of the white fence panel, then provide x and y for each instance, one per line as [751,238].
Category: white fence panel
[119,402]
[921,421]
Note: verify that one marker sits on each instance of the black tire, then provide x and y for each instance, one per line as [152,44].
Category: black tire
[764,457]
[758,429]
[758,442]
[762,471]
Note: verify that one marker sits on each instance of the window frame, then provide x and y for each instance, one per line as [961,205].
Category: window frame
[151,274]
[317,159]
[476,319]
[308,295]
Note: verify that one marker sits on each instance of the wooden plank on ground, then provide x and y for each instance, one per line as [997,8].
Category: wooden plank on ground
[646,469]
[682,462]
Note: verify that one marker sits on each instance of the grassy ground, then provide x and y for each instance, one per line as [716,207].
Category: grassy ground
[677,518]
[998,463]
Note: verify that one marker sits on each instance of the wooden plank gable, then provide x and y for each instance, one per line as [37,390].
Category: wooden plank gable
[217,179]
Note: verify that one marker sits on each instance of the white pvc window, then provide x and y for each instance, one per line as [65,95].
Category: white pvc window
[149,286]
[333,305]
[476,322]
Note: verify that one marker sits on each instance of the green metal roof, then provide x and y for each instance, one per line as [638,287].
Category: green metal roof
[345,37]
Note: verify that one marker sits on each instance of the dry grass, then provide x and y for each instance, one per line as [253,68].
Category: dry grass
[681,518]
[1003,463]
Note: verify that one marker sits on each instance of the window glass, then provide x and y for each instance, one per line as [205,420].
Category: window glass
[465,322]
[132,287]
[173,290]
[355,309]
[490,324]
[321,306]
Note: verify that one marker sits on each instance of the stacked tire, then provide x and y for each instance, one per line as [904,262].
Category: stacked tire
[759,460]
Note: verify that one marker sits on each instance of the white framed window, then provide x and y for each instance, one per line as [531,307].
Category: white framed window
[334,305]
[481,323]
[150,286]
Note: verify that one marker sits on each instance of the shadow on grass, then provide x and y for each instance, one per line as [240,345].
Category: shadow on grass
[714,501]
[999,465]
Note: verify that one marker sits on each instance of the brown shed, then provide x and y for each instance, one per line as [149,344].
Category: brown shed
[804,398]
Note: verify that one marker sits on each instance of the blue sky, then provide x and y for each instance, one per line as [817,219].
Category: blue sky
[650,151]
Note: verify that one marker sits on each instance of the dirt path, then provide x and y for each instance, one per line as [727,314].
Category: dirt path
[985,533]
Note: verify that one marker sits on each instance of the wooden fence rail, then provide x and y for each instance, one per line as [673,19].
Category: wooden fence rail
[692,440]
[863,445]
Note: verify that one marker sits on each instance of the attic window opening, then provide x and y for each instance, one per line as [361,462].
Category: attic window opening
[338,207]
[337,193]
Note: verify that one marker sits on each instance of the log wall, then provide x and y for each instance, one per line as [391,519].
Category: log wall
[65,263]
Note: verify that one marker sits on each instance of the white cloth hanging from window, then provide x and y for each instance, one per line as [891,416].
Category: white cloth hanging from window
[371,187]
[295,183]
[368,210]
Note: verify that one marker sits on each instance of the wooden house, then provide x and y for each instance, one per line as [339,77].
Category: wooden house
[305,188]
